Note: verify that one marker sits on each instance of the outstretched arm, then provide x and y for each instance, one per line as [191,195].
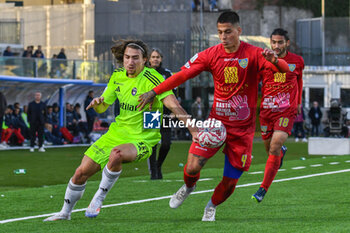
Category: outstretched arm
[98,105]
[173,105]
[280,64]
[169,84]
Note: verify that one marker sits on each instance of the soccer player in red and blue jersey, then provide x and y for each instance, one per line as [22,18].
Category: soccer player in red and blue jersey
[235,66]
[281,101]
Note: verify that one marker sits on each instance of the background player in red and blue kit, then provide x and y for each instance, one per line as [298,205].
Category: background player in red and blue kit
[281,101]
[235,66]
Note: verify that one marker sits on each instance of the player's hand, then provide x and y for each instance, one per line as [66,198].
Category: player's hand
[95,102]
[146,98]
[270,55]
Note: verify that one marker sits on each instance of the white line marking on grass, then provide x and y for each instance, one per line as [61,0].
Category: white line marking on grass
[145,181]
[258,172]
[281,170]
[316,165]
[347,161]
[334,163]
[167,197]
[298,168]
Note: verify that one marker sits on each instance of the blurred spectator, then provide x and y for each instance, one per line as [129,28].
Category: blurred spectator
[198,109]
[41,64]
[91,115]
[11,127]
[28,52]
[81,125]
[3,105]
[51,131]
[8,53]
[24,116]
[155,165]
[55,67]
[299,132]
[36,118]
[39,51]
[196,5]
[315,115]
[17,105]
[61,55]
[56,114]
[213,5]
[71,122]
[21,124]
[62,64]
[28,63]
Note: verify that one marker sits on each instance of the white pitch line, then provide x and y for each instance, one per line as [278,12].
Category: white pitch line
[167,197]
[334,163]
[298,168]
[347,161]
[258,172]
[316,165]
[281,170]
[145,181]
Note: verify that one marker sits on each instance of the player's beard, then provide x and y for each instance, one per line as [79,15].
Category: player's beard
[280,52]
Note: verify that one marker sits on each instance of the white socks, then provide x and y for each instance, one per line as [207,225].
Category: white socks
[108,180]
[73,193]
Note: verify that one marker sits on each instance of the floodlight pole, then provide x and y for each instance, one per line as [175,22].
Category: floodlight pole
[323,37]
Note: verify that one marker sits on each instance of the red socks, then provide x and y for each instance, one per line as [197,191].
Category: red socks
[224,189]
[271,169]
[190,180]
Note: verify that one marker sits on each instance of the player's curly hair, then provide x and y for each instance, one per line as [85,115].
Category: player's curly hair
[119,47]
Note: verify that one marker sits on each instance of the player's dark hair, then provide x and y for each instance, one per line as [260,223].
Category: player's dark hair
[228,17]
[280,32]
[120,45]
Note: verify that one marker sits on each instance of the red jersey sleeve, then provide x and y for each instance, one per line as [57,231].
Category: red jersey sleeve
[191,69]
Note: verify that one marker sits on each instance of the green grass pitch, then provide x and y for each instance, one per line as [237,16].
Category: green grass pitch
[318,203]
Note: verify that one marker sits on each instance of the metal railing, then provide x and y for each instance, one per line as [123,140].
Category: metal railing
[97,71]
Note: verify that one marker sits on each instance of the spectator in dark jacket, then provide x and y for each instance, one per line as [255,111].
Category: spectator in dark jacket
[315,115]
[90,114]
[36,119]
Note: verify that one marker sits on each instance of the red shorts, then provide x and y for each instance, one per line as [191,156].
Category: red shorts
[238,148]
[281,123]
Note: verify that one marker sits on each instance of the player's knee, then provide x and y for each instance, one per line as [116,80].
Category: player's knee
[116,156]
[192,169]
[275,149]
[79,176]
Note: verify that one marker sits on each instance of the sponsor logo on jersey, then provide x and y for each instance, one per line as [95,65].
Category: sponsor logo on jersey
[291,67]
[117,89]
[243,62]
[187,65]
[128,107]
[134,91]
[120,84]
[230,59]
[151,120]
[194,58]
